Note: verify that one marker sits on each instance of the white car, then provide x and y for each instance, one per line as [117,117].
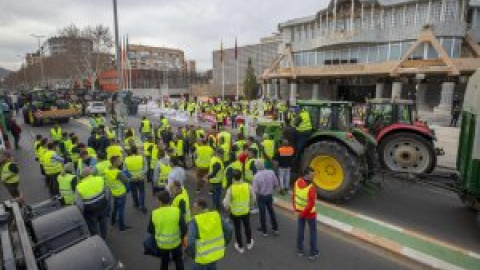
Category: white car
[96,107]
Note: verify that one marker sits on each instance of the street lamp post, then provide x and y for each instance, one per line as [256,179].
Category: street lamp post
[117,46]
[40,55]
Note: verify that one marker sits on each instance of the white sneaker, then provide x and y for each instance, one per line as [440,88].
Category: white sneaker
[250,245]
[239,249]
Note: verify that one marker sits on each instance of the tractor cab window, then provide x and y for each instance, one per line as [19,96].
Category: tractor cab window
[403,113]
[344,118]
[313,112]
[325,118]
[380,114]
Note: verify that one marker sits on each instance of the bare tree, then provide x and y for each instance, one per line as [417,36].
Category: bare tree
[87,50]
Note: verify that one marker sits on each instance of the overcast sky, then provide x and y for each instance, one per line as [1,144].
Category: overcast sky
[196,26]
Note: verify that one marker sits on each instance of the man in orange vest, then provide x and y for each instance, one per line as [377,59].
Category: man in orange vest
[303,199]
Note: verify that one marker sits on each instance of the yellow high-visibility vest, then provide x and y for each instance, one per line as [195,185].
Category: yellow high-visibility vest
[166,222]
[204,154]
[306,123]
[9,177]
[65,188]
[135,165]
[240,204]
[116,186]
[183,196]
[210,246]
[301,197]
[218,178]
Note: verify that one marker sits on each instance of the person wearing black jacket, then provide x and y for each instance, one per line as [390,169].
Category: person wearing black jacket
[102,142]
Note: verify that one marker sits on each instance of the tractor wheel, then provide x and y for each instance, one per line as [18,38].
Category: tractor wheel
[338,173]
[407,152]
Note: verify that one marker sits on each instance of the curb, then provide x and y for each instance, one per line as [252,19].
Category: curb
[411,245]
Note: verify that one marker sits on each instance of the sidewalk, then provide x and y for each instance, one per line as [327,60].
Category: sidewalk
[400,241]
[448,139]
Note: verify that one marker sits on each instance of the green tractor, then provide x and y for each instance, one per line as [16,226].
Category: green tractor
[340,154]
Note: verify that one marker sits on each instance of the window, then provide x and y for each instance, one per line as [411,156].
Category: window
[457,47]
[362,54]
[382,53]
[354,55]
[320,58]
[313,112]
[476,17]
[324,119]
[451,9]
[403,114]
[422,13]
[447,45]
[297,59]
[397,17]
[410,15]
[406,46]
[372,54]
[395,51]
[419,52]
[380,115]
[344,115]
[432,53]
[387,17]
[436,11]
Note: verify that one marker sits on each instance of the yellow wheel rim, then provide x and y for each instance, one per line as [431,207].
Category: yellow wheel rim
[329,173]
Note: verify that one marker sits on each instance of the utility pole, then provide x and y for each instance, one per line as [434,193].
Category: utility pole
[117,46]
[40,55]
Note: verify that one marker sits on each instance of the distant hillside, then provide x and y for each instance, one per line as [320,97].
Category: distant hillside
[4,72]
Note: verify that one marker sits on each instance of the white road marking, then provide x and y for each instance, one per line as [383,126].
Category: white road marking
[429,260]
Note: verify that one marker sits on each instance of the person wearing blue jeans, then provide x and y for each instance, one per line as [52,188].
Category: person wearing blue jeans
[118,212]
[216,195]
[117,182]
[303,200]
[138,194]
[312,229]
[265,203]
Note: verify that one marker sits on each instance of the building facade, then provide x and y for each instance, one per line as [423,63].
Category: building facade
[32,59]
[425,49]
[69,45]
[155,58]
[261,54]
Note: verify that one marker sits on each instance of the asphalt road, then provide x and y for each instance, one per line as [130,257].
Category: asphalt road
[337,251]
[424,209]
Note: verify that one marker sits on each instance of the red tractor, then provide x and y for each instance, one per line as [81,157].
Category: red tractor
[404,143]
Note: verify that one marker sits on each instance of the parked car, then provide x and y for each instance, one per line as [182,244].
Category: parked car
[96,107]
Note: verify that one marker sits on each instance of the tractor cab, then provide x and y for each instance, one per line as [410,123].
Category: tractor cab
[383,113]
[328,115]
[405,144]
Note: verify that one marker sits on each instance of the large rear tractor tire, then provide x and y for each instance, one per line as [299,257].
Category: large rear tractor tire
[407,152]
[338,172]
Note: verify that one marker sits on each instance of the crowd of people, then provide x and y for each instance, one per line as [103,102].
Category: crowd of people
[239,172]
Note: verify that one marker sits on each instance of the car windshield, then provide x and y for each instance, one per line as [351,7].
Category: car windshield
[97,104]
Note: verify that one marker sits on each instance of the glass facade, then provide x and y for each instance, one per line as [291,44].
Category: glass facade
[375,53]
[374,18]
